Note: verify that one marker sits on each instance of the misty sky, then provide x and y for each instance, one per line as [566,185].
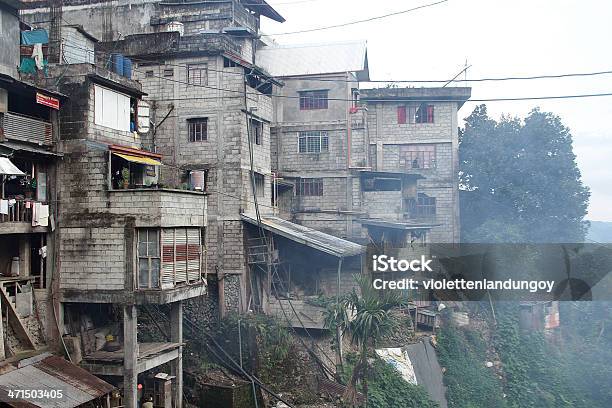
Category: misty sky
[498,38]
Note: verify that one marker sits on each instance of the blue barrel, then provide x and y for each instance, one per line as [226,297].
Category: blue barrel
[117,63]
[127,68]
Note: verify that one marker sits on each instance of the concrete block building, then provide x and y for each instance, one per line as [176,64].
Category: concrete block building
[126,241]
[414,131]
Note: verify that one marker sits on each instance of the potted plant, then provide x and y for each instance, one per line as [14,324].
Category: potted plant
[125,175]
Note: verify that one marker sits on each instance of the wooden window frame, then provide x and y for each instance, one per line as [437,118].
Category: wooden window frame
[197,74]
[197,130]
[149,257]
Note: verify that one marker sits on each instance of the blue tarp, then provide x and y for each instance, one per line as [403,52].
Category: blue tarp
[39,36]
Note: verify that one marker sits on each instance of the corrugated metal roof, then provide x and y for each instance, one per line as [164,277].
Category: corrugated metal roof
[51,374]
[307,236]
[314,59]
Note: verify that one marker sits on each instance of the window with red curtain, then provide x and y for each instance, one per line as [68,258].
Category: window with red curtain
[425,114]
[401,115]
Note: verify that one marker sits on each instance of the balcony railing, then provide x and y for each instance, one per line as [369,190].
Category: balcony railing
[26,129]
[20,211]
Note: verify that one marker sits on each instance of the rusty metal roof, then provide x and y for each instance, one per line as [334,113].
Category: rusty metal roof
[50,373]
[318,240]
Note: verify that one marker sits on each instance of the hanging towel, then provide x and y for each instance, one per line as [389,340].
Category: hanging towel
[28,204]
[12,202]
[37,55]
[35,210]
[4,207]
[43,215]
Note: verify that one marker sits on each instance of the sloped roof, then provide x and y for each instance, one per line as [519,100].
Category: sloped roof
[262,7]
[314,59]
[318,240]
[52,373]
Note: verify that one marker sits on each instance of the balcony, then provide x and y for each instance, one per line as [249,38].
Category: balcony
[19,217]
[164,208]
[26,129]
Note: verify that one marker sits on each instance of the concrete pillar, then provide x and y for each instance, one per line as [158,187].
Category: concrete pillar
[176,366]
[25,255]
[130,357]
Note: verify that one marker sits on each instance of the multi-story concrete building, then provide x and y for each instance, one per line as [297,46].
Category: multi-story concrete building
[126,242]
[363,161]
[320,135]
[28,207]
[415,131]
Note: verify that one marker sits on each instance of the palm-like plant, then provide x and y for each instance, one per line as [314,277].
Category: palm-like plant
[366,317]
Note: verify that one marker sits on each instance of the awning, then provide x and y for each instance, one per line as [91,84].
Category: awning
[318,240]
[138,159]
[26,148]
[49,374]
[8,168]
[372,222]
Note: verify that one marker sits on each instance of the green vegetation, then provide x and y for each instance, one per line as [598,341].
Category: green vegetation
[367,317]
[470,384]
[386,388]
[521,180]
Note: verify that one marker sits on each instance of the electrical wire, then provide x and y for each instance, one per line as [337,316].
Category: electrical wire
[310,30]
[386,81]
[399,100]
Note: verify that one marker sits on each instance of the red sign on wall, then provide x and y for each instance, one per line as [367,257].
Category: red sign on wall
[47,101]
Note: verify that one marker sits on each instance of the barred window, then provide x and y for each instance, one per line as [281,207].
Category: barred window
[423,207]
[310,187]
[197,74]
[168,72]
[198,129]
[419,156]
[311,100]
[313,142]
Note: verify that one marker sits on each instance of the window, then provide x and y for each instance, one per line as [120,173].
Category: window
[181,256]
[112,109]
[198,129]
[313,142]
[149,74]
[418,156]
[423,207]
[148,258]
[256,129]
[423,113]
[310,100]
[310,187]
[168,72]
[197,74]
[260,184]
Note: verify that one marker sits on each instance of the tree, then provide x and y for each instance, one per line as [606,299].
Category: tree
[366,317]
[520,181]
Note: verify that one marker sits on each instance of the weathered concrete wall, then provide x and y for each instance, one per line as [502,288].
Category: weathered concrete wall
[9,41]
[110,20]
[388,139]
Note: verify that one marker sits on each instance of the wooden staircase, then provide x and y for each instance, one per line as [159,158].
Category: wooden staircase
[22,332]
